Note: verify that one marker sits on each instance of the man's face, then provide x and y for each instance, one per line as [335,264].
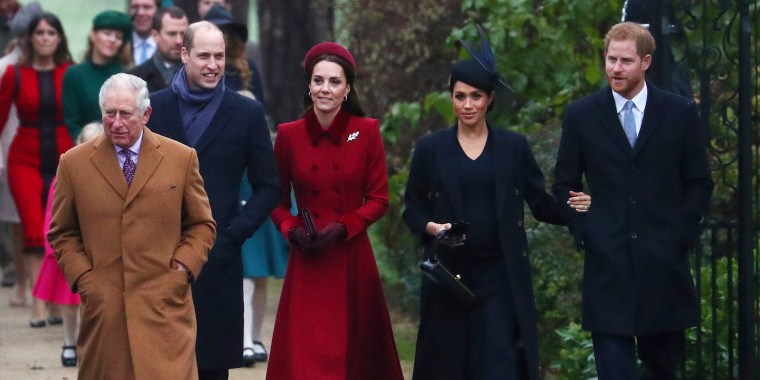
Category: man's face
[142,11]
[204,63]
[122,120]
[169,38]
[205,5]
[625,68]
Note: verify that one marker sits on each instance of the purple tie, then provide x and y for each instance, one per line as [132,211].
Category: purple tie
[129,167]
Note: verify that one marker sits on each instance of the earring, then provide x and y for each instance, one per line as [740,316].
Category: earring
[310,93]
[345,98]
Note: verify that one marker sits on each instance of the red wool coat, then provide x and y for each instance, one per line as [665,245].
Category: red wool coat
[332,322]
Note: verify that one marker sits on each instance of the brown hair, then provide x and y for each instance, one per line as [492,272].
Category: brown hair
[351,105]
[123,56]
[631,31]
[61,54]
[235,55]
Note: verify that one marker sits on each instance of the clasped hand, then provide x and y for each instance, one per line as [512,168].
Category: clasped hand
[325,237]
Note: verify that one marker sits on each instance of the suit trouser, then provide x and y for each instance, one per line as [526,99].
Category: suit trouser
[213,374]
[660,355]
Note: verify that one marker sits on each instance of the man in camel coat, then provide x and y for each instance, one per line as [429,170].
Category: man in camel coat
[131,227]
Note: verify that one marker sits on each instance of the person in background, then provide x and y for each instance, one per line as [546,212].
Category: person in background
[482,175]
[643,155]
[231,136]
[205,5]
[8,9]
[51,284]
[144,44]
[131,227]
[240,73]
[107,53]
[34,85]
[332,321]
[11,232]
[169,26]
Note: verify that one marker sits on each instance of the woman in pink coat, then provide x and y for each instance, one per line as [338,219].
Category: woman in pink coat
[332,321]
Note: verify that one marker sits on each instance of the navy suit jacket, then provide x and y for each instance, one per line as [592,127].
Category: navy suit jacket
[237,139]
[150,74]
[647,202]
[433,193]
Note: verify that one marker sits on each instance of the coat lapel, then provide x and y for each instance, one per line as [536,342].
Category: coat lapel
[446,159]
[172,119]
[104,159]
[607,113]
[503,167]
[652,115]
[149,159]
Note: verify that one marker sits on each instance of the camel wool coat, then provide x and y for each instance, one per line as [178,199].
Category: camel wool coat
[115,243]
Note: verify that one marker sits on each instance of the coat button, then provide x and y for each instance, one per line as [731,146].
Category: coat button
[517,192]
[519,223]
[632,201]
[314,191]
[634,236]
[525,253]
[336,166]
[314,167]
[337,191]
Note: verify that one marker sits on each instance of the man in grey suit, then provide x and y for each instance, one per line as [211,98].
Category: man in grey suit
[643,155]
[230,134]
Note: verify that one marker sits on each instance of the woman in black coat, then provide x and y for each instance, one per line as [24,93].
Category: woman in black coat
[481,175]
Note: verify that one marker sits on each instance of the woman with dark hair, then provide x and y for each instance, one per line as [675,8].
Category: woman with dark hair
[332,322]
[108,52]
[34,85]
[477,173]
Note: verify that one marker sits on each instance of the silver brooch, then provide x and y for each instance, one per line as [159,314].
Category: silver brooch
[352,136]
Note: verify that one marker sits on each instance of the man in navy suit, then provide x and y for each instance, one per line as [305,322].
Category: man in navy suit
[643,155]
[230,134]
[169,26]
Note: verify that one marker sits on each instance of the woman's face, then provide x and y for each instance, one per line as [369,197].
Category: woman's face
[106,42]
[45,40]
[470,104]
[328,86]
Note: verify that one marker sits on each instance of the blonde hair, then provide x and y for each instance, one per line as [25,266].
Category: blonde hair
[90,131]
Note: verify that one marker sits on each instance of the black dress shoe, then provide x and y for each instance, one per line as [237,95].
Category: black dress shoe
[37,323]
[54,320]
[259,351]
[248,357]
[69,361]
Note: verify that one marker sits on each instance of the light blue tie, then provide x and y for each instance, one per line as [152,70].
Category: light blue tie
[143,52]
[629,123]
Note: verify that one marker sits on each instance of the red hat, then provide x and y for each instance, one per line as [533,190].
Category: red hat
[331,48]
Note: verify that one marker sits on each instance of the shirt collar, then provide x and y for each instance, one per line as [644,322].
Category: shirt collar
[334,132]
[640,100]
[137,40]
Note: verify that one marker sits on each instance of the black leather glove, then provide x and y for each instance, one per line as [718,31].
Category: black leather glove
[326,236]
[299,237]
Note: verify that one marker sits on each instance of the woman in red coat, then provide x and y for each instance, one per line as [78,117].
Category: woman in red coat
[332,322]
[34,85]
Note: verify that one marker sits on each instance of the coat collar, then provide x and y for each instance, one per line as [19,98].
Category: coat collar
[220,120]
[105,160]
[334,132]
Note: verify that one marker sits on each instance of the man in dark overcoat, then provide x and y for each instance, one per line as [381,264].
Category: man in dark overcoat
[643,155]
[230,134]
[169,26]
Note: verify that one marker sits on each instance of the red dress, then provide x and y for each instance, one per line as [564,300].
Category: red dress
[40,140]
[332,322]
[51,285]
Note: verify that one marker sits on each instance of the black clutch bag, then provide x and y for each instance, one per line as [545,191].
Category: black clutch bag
[308,222]
[436,272]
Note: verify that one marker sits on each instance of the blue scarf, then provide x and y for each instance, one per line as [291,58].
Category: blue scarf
[197,108]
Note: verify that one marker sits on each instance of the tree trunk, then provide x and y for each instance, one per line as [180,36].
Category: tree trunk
[287,30]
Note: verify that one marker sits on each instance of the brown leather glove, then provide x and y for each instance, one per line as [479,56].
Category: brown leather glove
[299,237]
[326,236]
